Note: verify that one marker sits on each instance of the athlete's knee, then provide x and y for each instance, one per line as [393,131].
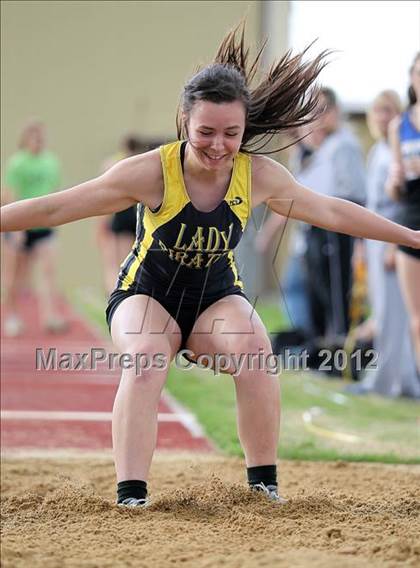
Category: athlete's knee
[147,358]
[252,343]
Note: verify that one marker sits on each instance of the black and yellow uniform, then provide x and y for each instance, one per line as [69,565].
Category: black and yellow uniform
[183,257]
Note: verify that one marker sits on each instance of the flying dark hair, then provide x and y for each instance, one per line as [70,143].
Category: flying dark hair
[286,97]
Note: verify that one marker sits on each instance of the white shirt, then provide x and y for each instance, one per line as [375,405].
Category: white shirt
[378,163]
[336,169]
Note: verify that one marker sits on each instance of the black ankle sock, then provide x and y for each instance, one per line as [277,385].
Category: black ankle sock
[131,488]
[266,474]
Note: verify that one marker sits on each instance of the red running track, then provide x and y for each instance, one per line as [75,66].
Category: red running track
[71,409]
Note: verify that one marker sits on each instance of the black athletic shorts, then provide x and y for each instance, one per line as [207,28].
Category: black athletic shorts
[125,222]
[185,316]
[410,213]
[31,238]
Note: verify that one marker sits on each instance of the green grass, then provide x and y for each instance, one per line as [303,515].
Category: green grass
[386,430]
[271,315]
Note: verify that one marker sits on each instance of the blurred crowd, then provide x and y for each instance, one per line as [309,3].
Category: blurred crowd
[33,171]
[320,290]
[325,270]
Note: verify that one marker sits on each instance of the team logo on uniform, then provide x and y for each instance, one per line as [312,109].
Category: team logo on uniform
[236,201]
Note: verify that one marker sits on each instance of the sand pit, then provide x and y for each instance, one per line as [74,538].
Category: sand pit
[61,513]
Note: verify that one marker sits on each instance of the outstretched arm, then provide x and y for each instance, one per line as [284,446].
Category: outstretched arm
[275,186]
[129,181]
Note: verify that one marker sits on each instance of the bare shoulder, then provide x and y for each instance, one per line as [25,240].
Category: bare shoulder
[268,179]
[141,177]
[264,167]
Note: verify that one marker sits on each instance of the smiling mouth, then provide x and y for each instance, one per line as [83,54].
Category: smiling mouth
[214,158]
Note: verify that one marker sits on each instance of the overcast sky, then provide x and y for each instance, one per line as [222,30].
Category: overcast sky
[376,44]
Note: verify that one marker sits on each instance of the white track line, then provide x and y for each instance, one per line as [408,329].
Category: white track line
[308,420]
[188,420]
[81,416]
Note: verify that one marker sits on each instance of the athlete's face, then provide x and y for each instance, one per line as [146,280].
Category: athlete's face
[215,132]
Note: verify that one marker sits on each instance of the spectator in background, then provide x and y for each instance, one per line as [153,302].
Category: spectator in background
[404,185]
[32,171]
[335,169]
[115,233]
[294,284]
[395,374]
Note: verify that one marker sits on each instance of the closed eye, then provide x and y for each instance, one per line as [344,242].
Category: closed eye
[231,134]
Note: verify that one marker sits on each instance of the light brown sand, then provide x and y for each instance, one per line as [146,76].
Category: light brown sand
[61,513]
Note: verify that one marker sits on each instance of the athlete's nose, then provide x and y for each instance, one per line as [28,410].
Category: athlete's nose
[217,144]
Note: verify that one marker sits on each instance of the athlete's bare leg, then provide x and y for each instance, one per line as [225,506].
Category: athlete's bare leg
[140,326]
[409,276]
[114,249]
[231,326]
[107,246]
[15,270]
[119,247]
[44,257]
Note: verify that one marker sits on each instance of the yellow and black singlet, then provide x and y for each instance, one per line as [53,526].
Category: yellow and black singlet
[183,257]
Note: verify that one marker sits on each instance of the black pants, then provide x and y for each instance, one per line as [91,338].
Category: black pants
[328,260]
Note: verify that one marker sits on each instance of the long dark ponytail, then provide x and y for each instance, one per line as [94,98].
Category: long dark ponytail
[285,97]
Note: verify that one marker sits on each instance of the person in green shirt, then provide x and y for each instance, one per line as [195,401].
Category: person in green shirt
[32,171]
